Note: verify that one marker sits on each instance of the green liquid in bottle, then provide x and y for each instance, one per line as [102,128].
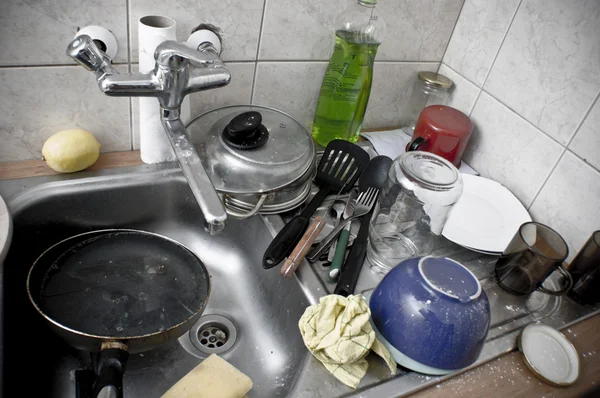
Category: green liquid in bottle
[346,88]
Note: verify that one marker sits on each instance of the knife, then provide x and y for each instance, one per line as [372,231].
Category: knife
[340,250]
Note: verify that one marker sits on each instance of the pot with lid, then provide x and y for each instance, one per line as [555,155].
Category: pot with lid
[259,159]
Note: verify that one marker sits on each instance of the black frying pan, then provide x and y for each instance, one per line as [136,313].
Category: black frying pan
[115,292]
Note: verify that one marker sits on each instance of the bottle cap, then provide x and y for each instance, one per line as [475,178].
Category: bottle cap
[435,80]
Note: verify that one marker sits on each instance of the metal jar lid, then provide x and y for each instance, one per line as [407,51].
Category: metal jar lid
[277,152]
[435,80]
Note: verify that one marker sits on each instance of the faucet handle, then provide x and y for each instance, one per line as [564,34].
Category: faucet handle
[169,54]
[86,53]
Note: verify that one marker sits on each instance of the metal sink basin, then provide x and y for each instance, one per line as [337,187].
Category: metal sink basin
[251,317]
[252,314]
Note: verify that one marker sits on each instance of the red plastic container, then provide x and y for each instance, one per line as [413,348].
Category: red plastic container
[442,130]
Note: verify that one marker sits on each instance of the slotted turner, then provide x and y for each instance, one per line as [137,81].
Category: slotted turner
[340,167]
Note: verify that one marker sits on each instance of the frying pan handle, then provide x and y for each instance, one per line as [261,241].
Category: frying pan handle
[110,367]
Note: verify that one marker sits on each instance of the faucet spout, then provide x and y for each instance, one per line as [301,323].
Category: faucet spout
[201,186]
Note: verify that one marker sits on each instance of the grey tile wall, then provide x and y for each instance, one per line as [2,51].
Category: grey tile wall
[464,93]
[477,37]
[277,51]
[37,32]
[418,30]
[531,69]
[555,47]
[586,142]
[292,87]
[390,93]
[508,149]
[38,102]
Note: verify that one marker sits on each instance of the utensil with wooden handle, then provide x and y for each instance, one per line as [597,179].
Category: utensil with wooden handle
[293,261]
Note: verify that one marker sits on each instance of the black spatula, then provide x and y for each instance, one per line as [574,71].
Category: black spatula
[340,167]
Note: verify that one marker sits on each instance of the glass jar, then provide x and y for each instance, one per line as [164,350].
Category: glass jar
[430,88]
[414,204]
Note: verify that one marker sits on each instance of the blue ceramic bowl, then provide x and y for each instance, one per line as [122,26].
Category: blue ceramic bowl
[433,311]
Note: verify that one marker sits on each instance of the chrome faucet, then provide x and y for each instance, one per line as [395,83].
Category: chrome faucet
[171,80]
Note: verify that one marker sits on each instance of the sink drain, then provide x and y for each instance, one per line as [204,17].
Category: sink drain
[212,334]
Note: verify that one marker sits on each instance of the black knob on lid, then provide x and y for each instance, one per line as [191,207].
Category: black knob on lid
[245,131]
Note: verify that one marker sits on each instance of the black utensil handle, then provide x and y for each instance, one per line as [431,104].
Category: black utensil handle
[414,146]
[314,204]
[110,368]
[285,241]
[354,262]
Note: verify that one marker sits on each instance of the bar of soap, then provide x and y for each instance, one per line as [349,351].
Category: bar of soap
[213,378]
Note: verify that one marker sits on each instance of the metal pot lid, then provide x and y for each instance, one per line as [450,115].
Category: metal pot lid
[251,149]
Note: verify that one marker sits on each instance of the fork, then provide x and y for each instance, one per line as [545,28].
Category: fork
[364,204]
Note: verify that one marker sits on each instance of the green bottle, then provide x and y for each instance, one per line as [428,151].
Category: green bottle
[347,82]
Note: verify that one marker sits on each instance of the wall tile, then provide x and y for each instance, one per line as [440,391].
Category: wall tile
[568,202]
[238,19]
[587,141]
[303,29]
[390,93]
[299,30]
[38,32]
[547,68]
[292,87]
[507,149]
[417,30]
[477,37]
[464,94]
[237,92]
[38,102]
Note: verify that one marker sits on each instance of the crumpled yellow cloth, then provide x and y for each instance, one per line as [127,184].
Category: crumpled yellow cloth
[338,333]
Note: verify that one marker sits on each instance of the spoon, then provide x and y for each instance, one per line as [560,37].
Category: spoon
[374,175]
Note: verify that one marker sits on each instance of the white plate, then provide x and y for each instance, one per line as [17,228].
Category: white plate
[483,251]
[549,355]
[486,217]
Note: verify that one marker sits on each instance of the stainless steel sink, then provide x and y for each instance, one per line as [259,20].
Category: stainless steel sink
[252,315]
[256,308]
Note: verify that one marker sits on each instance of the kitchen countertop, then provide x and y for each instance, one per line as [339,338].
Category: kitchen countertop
[506,375]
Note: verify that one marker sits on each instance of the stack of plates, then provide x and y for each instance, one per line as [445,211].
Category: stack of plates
[486,217]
